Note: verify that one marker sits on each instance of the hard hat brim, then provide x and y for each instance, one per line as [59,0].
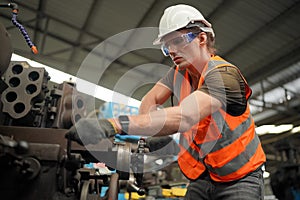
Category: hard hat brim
[158,41]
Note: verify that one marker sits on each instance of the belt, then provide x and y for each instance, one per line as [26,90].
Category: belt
[205,175]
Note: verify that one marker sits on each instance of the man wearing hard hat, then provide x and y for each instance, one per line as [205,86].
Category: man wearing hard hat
[220,152]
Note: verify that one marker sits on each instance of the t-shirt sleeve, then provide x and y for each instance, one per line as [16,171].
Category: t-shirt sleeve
[168,79]
[226,85]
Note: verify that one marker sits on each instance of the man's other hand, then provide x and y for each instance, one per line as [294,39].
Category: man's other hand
[91,131]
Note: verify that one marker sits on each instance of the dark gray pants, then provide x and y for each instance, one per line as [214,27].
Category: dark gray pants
[250,187]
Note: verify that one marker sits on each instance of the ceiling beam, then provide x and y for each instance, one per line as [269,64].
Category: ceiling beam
[38,23]
[84,27]
[73,44]
[266,28]
[220,10]
[146,15]
[286,112]
[45,34]
[280,83]
[275,65]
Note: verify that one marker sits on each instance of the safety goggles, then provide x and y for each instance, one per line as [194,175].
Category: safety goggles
[178,42]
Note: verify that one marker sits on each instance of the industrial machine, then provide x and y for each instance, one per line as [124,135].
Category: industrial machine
[36,160]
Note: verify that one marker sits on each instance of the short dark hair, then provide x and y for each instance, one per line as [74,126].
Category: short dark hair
[211,43]
[210,39]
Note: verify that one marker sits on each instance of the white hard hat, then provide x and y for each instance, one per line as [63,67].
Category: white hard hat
[179,16]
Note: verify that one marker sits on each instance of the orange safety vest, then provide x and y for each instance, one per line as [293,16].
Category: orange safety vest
[227,146]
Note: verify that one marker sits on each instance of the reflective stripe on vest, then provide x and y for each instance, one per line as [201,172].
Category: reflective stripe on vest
[228,135]
[238,161]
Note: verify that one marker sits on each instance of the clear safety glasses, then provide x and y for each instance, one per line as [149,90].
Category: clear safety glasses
[178,42]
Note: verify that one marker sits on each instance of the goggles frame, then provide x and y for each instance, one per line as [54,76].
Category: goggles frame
[186,39]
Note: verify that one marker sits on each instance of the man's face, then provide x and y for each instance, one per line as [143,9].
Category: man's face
[183,47]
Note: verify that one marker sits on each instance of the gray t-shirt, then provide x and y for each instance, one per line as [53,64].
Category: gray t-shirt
[223,83]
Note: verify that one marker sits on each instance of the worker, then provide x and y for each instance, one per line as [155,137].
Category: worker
[220,152]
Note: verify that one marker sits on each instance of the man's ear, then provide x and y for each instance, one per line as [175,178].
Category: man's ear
[203,38]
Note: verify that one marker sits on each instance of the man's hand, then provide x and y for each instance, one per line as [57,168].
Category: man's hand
[164,145]
[91,131]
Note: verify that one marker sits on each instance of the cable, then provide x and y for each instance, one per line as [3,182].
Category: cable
[15,11]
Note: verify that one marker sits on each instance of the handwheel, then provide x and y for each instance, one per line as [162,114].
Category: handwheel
[113,187]
[85,190]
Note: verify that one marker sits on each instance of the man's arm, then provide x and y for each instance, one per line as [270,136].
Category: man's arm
[156,96]
[162,122]
[181,118]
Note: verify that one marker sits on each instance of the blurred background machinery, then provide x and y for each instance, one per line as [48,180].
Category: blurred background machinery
[285,181]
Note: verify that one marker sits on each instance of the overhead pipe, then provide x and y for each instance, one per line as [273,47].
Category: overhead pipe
[15,11]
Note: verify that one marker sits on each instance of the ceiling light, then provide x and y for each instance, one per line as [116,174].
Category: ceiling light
[296,129]
[266,174]
[281,128]
[264,129]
